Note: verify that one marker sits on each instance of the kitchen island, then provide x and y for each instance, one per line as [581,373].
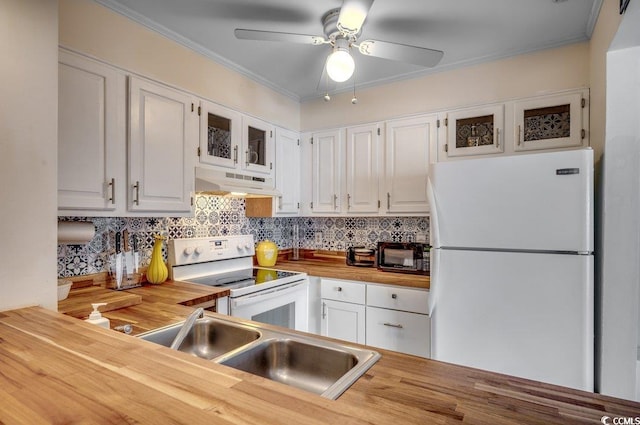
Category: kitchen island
[58,369]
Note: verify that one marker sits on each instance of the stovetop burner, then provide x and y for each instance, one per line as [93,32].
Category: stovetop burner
[242,278]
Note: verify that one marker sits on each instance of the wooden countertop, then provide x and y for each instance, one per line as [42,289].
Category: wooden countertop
[176,292]
[161,305]
[333,264]
[57,369]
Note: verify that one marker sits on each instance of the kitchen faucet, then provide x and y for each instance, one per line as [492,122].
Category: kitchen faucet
[186,327]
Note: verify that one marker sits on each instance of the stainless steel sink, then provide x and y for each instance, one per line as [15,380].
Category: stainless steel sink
[209,338]
[312,364]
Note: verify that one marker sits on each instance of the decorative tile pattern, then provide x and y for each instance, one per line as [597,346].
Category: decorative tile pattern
[547,123]
[219,143]
[476,131]
[215,216]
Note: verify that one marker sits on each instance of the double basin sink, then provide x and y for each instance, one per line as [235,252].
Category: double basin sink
[312,364]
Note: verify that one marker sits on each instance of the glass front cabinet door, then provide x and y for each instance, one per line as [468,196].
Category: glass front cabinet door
[476,131]
[548,122]
[220,135]
[258,149]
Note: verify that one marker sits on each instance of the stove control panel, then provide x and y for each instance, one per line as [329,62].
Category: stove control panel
[201,250]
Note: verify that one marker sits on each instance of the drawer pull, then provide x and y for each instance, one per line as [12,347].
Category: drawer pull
[399,326]
[394,296]
[339,289]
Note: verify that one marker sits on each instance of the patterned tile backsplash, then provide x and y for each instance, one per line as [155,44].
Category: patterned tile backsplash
[215,215]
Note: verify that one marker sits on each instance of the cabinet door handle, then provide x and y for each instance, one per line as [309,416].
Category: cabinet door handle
[279,202]
[246,156]
[348,201]
[399,326]
[335,201]
[112,183]
[136,186]
[339,288]
[324,310]
[235,154]
[394,296]
[497,137]
[388,200]
[519,134]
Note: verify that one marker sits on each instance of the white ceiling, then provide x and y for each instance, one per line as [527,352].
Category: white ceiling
[468,31]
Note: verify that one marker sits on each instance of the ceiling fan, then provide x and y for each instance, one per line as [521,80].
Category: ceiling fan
[342,26]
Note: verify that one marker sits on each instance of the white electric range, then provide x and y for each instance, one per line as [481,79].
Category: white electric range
[265,295]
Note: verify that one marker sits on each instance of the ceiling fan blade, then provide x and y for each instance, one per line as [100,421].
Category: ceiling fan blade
[352,15]
[287,37]
[401,52]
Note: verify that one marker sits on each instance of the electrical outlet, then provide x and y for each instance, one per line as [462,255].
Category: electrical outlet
[318,238]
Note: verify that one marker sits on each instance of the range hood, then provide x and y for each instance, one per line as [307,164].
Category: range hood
[216,182]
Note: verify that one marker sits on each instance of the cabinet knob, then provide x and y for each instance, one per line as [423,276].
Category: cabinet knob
[339,289]
[394,296]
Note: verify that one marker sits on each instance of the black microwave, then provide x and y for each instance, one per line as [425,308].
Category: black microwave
[403,257]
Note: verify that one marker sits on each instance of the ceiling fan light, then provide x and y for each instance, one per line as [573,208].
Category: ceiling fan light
[340,65]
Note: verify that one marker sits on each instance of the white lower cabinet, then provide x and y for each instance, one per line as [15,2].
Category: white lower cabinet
[397,319]
[384,316]
[343,310]
[399,331]
[344,321]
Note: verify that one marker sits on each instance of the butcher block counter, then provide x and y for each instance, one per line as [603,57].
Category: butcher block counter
[57,369]
[148,307]
[333,264]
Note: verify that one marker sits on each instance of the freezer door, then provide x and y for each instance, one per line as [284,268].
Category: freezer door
[538,201]
[523,314]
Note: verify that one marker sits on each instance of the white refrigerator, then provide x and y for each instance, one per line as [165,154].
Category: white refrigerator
[512,265]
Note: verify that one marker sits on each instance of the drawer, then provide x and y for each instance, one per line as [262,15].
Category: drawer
[343,290]
[408,333]
[405,299]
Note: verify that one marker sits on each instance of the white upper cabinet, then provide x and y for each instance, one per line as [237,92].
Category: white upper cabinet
[410,145]
[234,141]
[362,169]
[287,171]
[553,121]
[91,135]
[258,148]
[163,140]
[549,122]
[475,131]
[220,135]
[326,152]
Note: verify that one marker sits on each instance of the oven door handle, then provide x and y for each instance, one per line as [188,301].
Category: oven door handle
[268,294]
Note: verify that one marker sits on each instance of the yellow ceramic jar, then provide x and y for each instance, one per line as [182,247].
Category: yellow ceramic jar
[267,253]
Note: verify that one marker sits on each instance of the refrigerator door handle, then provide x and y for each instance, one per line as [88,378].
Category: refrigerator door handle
[433,208]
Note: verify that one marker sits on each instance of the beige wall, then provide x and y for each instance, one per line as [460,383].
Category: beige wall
[28,152]
[90,28]
[606,27]
[519,76]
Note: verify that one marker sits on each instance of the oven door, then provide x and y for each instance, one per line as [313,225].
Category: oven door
[285,305]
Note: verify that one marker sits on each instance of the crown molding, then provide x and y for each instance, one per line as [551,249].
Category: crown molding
[198,48]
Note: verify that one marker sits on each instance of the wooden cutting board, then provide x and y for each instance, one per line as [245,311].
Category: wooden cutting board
[78,304]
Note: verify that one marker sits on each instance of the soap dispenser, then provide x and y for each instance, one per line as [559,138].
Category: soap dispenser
[96,317]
